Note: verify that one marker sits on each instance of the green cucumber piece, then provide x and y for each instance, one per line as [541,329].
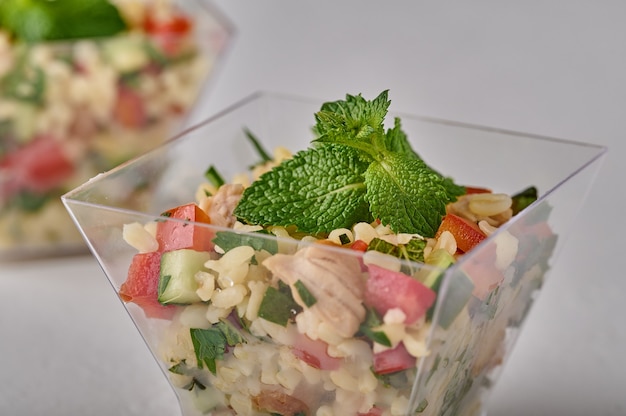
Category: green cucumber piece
[441,259]
[177,282]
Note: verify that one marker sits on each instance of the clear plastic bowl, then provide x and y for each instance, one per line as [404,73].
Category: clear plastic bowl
[481,302]
[70,110]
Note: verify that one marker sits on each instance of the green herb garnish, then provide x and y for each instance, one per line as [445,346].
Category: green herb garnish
[39,20]
[30,201]
[263,154]
[210,344]
[278,306]
[523,199]
[227,240]
[411,251]
[373,320]
[354,171]
[214,177]
[194,383]
[179,368]
[304,293]
[25,82]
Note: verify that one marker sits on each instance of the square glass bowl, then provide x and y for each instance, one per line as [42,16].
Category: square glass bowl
[226,360]
[72,109]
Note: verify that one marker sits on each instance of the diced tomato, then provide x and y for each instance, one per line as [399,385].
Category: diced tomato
[314,353]
[39,166]
[168,32]
[482,271]
[466,233]
[129,110]
[141,285]
[393,360]
[174,235]
[374,411]
[359,245]
[476,190]
[386,289]
[176,24]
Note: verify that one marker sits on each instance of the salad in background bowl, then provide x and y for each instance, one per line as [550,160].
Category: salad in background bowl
[84,86]
[367,264]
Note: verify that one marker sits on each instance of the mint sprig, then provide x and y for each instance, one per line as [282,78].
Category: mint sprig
[354,171]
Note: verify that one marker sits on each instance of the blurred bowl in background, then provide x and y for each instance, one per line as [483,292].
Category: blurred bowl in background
[73,108]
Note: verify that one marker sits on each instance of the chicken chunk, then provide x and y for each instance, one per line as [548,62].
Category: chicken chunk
[220,207]
[334,280]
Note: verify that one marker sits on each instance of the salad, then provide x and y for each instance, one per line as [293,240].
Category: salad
[84,86]
[310,285]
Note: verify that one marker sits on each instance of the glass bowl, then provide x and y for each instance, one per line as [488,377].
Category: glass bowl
[72,109]
[261,367]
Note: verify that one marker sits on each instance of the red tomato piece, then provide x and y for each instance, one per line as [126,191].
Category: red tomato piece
[314,353]
[174,235]
[129,110]
[374,411]
[359,245]
[393,360]
[466,234]
[176,24]
[141,285]
[39,166]
[386,289]
[476,190]
[168,32]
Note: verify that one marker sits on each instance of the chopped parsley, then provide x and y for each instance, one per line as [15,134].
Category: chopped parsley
[227,240]
[210,344]
[278,306]
[304,293]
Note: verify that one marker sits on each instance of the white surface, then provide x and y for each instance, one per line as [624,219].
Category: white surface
[556,68]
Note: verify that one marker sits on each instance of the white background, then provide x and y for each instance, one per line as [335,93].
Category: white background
[554,68]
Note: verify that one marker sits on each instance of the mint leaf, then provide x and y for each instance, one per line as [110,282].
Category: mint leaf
[318,190]
[406,194]
[397,141]
[37,20]
[353,115]
[354,122]
[453,190]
